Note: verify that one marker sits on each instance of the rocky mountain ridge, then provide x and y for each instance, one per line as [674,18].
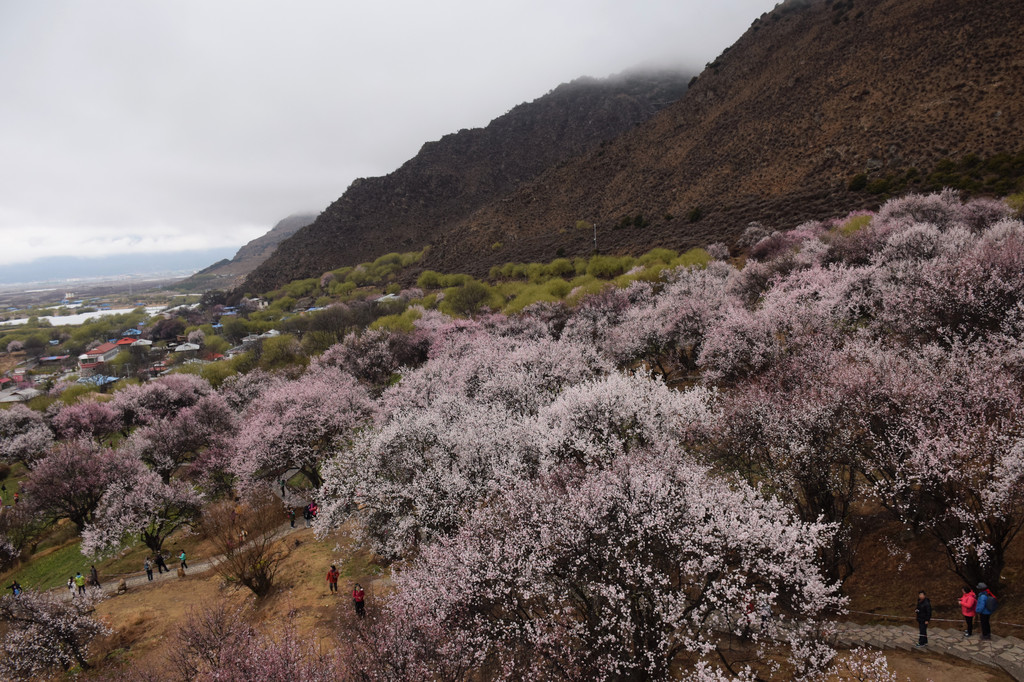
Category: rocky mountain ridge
[450,178]
[819,108]
[778,128]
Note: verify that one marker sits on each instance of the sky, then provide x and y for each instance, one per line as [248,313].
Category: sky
[147,126]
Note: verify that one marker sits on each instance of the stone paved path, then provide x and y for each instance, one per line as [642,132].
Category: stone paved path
[1006,653]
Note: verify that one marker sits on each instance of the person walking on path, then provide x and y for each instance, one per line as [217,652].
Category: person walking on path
[358,598]
[291,516]
[332,579]
[161,565]
[967,603]
[924,614]
[984,608]
[94,577]
[307,515]
[148,565]
[80,582]
[182,557]
[71,586]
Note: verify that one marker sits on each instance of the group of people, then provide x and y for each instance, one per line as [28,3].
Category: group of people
[309,513]
[358,593]
[161,564]
[78,582]
[3,489]
[978,602]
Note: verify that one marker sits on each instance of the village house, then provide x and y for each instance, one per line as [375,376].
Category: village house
[105,352]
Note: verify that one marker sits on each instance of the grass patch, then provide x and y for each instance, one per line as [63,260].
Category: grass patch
[854,224]
[51,568]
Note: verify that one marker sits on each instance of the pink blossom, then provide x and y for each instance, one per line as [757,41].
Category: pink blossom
[24,435]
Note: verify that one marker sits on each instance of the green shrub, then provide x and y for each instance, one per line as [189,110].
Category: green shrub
[879,186]
[648,274]
[403,322]
[341,289]
[558,287]
[608,267]
[282,305]
[216,372]
[301,287]
[342,273]
[71,394]
[281,351]
[695,214]
[317,341]
[1016,204]
[469,297]
[584,286]
[389,259]
[694,257]
[854,224]
[429,279]
[530,294]
[664,256]
[858,182]
[561,267]
[536,273]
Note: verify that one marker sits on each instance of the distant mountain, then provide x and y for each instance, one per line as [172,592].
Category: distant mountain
[140,265]
[449,179]
[229,273]
[822,106]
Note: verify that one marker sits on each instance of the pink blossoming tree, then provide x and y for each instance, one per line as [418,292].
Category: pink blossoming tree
[143,506]
[24,435]
[45,634]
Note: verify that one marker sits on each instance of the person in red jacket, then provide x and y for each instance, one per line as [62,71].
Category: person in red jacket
[358,597]
[967,602]
[332,579]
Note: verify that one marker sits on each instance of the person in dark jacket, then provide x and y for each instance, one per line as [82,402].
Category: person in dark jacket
[984,609]
[924,614]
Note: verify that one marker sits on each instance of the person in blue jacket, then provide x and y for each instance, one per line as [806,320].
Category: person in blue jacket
[984,609]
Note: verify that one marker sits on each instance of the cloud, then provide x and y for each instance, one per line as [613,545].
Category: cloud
[148,125]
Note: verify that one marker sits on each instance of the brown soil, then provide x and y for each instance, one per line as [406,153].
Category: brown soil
[892,565]
[922,666]
[145,618]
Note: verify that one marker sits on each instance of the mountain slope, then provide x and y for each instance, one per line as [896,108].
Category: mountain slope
[458,174]
[812,94]
[229,273]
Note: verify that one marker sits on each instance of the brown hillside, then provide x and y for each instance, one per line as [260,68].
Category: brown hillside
[449,179]
[812,94]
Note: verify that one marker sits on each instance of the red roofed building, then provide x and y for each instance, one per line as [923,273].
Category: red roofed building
[105,352]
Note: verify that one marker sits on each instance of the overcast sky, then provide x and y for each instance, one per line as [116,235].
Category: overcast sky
[157,125]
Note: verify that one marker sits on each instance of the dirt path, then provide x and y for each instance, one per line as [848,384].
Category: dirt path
[139,579]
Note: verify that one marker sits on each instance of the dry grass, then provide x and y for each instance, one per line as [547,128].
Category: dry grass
[146,618]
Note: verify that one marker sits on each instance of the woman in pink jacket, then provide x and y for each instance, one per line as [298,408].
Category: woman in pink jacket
[967,603]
